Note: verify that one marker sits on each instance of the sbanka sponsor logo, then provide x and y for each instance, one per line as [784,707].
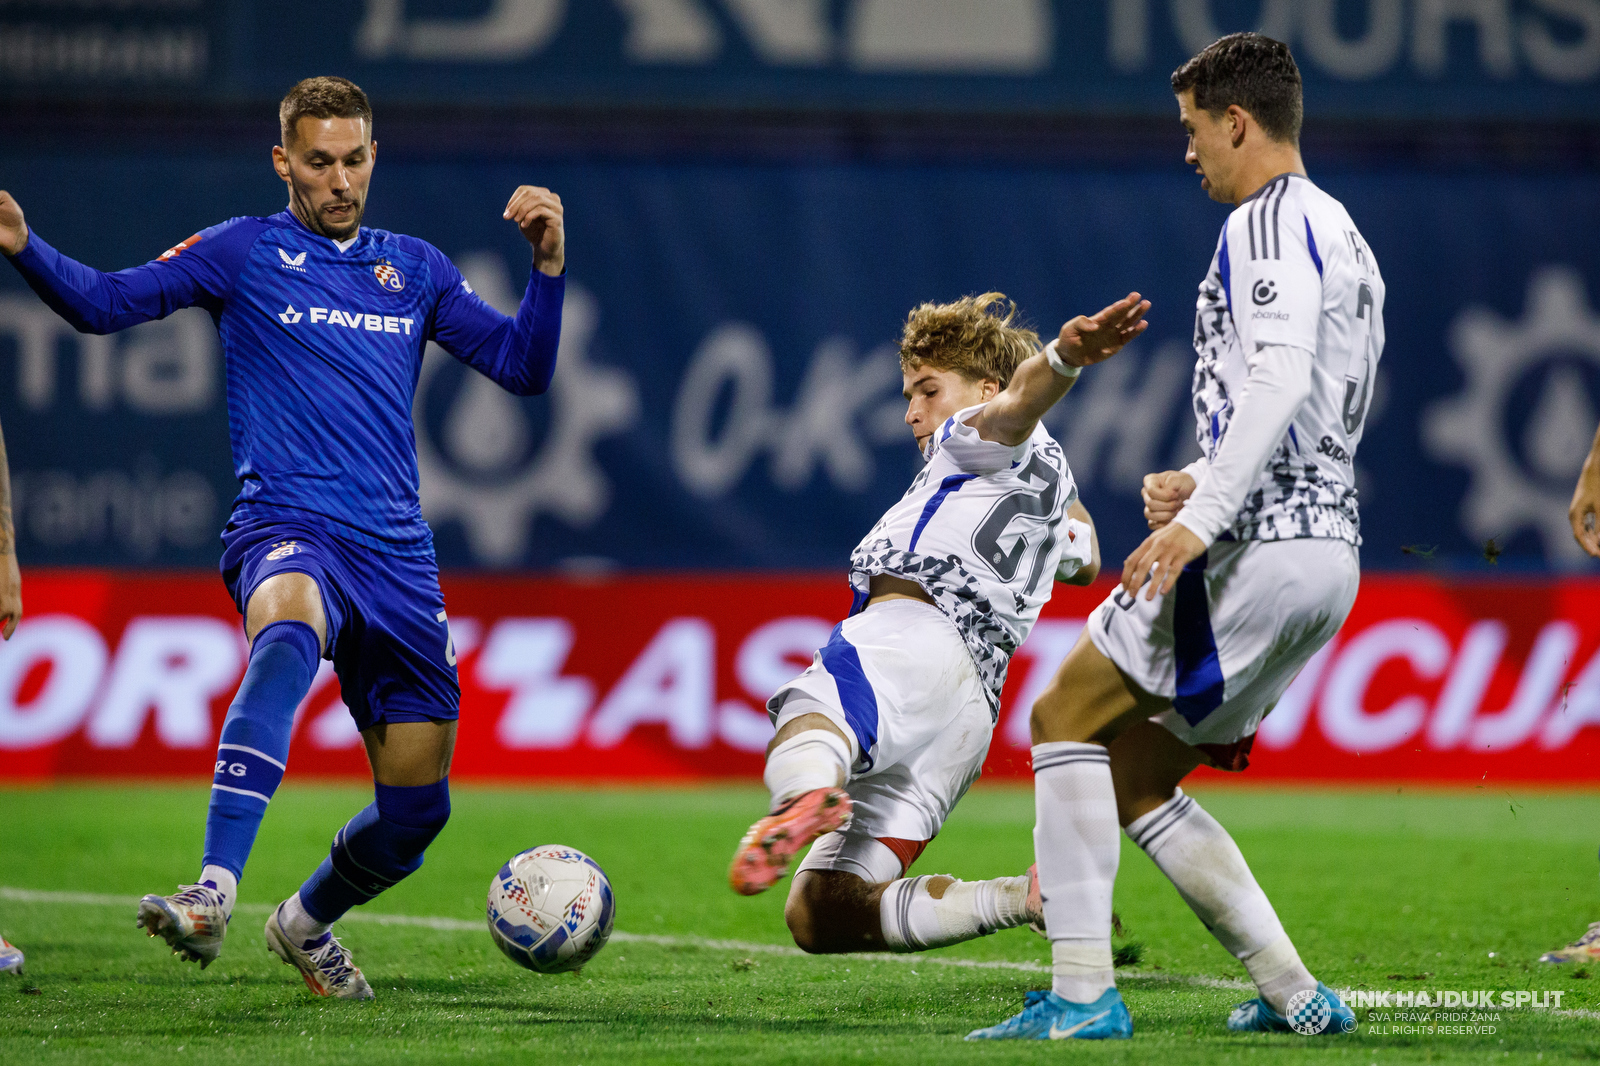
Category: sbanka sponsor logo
[666,678]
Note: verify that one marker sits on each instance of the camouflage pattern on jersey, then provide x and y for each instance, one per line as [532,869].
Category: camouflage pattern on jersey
[958,594]
[1291,498]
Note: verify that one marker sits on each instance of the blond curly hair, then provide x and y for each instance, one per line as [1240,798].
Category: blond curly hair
[978,337]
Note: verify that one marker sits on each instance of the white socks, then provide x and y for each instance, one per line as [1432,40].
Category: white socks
[300,926]
[914,920]
[816,758]
[1077,844]
[1210,873]
[225,883]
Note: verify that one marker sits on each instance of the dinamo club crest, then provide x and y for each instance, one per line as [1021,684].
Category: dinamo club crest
[388,276]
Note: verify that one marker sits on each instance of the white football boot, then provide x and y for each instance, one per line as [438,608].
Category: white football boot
[10,957]
[1585,949]
[324,963]
[193,920]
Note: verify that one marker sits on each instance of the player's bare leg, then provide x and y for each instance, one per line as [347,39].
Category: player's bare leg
[286,626]
[808,763]
[835,912]
[410,768]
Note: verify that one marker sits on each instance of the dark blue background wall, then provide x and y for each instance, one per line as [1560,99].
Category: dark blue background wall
[729,392]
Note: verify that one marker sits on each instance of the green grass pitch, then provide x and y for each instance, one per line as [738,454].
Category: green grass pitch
[1381,889]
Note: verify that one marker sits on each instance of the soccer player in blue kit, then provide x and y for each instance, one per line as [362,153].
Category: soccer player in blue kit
[323,324]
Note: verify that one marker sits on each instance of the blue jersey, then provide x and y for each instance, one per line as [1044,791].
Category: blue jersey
[323,348]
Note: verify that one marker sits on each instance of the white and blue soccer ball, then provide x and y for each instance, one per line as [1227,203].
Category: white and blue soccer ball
[551,909]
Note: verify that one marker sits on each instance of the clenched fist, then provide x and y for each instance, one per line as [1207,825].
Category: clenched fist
[13,230]
[1164,494]
[537,212]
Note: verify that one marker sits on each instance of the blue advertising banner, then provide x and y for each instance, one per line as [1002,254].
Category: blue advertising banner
[1408,58]
[728,388]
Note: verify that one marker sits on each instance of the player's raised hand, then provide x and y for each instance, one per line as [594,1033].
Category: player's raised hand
[1164,494]
[1160,559]
[538,213]
[1091,339]
[13,230]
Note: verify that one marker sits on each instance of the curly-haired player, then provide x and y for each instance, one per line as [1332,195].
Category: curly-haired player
[882,735]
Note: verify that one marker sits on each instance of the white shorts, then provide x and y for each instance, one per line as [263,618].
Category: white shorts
[1230,637]
[898,681]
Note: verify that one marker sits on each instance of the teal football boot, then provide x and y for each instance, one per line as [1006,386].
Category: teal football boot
[1046,1016]
[1310,1013]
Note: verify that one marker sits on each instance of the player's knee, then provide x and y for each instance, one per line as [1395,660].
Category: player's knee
[800,913]
[829,912]
[1051,717]
[416,812]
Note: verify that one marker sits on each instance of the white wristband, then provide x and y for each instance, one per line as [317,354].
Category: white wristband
[1058,365]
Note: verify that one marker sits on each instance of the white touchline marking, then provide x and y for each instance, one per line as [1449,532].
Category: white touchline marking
[460,925]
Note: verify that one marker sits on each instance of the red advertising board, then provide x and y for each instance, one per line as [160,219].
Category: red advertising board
[664,678]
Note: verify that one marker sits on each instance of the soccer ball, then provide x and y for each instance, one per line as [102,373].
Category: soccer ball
[551,909]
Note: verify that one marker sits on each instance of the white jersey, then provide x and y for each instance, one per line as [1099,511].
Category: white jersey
[1292,269]
[984,530]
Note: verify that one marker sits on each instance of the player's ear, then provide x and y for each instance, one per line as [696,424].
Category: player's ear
[280,161]
[1238,118]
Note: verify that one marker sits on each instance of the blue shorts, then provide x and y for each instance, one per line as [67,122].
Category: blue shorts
[387,633]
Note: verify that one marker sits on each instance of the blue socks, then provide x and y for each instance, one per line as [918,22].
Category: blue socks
[255,740]
[377,848]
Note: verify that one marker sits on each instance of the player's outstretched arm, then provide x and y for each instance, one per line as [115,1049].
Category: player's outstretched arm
[200,270]
[1036,386]
[1586,502]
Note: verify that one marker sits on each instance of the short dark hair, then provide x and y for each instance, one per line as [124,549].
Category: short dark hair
[1250,70]
[325,97]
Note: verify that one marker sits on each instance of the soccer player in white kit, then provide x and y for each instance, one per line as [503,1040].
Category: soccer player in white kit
[880,737]
[1252,567]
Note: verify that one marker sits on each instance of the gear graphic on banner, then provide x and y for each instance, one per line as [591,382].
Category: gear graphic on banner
[1527,416]
[482,466]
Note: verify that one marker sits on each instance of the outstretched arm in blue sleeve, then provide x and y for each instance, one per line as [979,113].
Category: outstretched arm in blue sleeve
[199,271]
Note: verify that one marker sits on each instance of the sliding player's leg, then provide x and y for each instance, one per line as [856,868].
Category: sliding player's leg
[851,894]
[1202,860]
[808,763]
[397,675]
[287,626]
[887,729]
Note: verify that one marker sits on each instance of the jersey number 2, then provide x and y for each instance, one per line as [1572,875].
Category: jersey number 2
[1030,502]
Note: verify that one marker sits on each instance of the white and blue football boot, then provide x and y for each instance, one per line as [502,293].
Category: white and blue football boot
[1046,1016]
[1584,949]
[1310,1013]
[325,963]
[193,921]
[10,957]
